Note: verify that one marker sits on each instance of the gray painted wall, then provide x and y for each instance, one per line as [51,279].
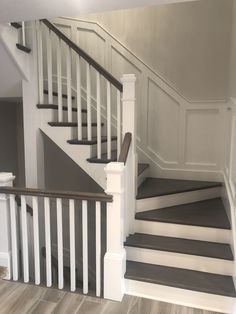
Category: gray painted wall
[62,173]
[187,43]
[11,140]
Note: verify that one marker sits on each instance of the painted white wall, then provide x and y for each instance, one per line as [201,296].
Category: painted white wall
[187,44]
[168,133]
[25,10]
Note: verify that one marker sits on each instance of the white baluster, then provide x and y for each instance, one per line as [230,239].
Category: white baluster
[79,105]
[36,240]
[99,136]
[48,242]
[49,65]
[98,249]
[59,82]
[23,33]
[69,99]
[60,244]
[14,241]
[25,241]
[108,120]
[40,63]
[85,245]
[72,246]
[118,123]
[89,114]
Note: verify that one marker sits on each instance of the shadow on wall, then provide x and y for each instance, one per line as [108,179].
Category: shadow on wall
[61,173]
[12,140]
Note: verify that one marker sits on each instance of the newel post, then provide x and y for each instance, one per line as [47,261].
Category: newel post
[115,258]
[129,125]
[6,179]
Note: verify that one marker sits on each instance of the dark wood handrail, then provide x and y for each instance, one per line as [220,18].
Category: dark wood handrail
[125,148]
[84,55]
[87,196]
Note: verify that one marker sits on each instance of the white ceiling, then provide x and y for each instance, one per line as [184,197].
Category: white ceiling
[23,10]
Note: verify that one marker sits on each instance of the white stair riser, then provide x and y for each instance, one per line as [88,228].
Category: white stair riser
[186,261]
[177,199]
[183,231]
[183,297]
[143,176]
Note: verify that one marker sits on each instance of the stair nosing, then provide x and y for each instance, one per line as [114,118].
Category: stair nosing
[71,124]
[23,48]
[92,142]
[181,285]
[55,107]
[143,246]
[179,221]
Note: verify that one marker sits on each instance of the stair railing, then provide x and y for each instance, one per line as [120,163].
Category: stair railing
[76,68]
[13,228]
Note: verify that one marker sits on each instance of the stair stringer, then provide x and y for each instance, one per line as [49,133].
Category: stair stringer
[78,153]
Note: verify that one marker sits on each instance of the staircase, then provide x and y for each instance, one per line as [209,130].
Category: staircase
[176,233]
[180,250]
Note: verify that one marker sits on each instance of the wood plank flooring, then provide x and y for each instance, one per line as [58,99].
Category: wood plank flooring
[17,298]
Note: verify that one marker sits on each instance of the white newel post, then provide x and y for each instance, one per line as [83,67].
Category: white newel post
[6,179]
[129,126]
[115,257]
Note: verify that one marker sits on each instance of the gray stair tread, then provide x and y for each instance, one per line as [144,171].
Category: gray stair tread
[23,48]
[208,213]
[177,245]
[71,124]
[16,25]
[55,107]
[152,187]
[142,167]
[181,278]
[104,159]
[92,142]
[55,94]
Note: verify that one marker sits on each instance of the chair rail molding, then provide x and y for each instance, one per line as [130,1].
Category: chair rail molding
[191,144]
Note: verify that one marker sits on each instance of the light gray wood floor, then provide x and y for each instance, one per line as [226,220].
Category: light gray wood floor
[18,298]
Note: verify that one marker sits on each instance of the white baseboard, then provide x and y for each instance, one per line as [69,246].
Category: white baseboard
[200,300]
[179,260]
[176,199]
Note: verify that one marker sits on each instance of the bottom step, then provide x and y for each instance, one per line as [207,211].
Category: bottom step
[180,286]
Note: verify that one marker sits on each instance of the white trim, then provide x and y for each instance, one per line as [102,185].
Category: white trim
[179,296]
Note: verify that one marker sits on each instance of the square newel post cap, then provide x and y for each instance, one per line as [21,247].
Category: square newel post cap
[128,78]
[6,178]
